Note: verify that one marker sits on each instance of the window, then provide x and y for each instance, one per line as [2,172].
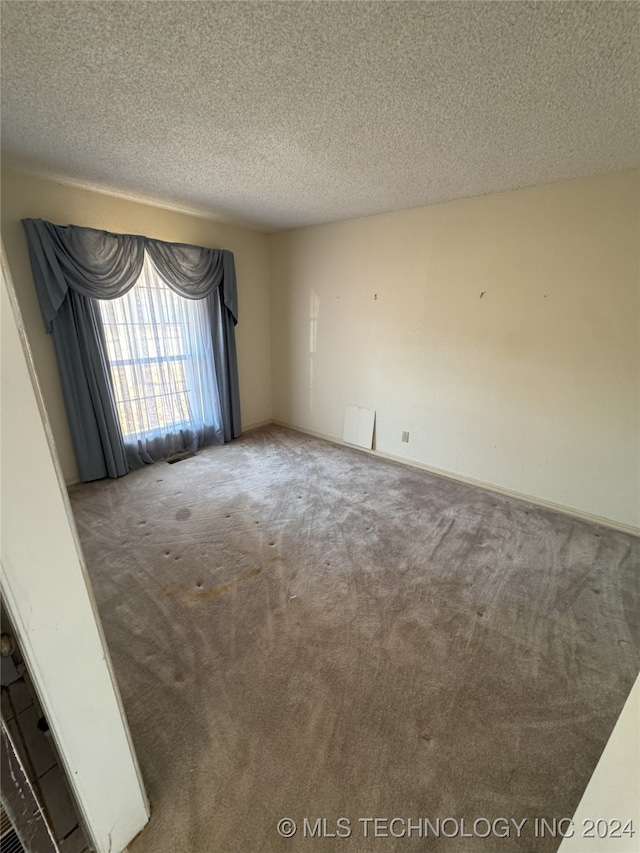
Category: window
[158,347]
[144,374]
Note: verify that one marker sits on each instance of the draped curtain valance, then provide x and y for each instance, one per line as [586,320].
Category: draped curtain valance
[104,265]
[72,267]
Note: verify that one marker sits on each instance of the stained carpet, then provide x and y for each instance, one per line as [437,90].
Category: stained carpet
[300,630]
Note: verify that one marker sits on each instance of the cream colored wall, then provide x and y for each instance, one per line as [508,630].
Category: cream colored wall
[501,332]
[534,387]
[25,196]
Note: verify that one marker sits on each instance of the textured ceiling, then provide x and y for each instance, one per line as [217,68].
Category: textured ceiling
[286,114]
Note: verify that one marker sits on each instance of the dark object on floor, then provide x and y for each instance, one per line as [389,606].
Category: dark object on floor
[179,457]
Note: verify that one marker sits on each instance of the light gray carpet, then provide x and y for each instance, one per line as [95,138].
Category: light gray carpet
[302,630]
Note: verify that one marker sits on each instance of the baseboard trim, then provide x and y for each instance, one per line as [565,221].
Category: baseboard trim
[470,481]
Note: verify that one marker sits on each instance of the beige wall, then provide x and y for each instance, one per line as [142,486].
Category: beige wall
[501,332]
[24,196]
[534,387]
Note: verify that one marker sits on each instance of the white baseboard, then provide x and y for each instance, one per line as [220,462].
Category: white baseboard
[470,481]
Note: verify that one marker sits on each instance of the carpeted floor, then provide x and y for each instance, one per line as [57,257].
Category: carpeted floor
[302,630]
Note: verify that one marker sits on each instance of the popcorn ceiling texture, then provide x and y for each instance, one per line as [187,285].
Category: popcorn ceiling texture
[285,114]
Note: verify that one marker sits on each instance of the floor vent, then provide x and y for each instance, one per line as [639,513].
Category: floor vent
[9,841]
[178,457]
[5,823]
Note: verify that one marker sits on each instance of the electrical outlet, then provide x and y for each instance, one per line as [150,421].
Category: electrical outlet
[405,436]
